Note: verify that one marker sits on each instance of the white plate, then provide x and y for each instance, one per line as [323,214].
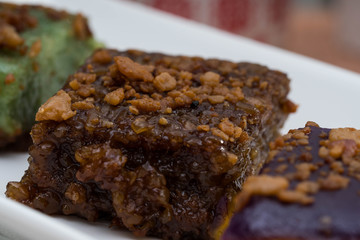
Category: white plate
[327,94]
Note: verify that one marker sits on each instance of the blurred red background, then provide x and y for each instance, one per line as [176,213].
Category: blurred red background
[328,30]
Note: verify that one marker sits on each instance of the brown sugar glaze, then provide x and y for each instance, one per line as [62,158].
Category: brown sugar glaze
[159,144]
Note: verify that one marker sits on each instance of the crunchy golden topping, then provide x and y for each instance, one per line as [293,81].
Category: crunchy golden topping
[9,79]
[210,79]
[85,78]
[146,104]
[308,187]
[232,158]
[345,133]
[217,132]
[164,82]
[102,57]
[81,28]
[74,84]
[134,110]
[290,196]
[56,108]
[133,70]
[168,110]
[235,95]
[35,49]
[163,121]
[311,123]
[86,90]
[303,170]
[265,185]
[289,106]
[83,105]
[205,128]
[9,37]
[216,99]
[227,127]
[333,182]
[115,97]
[323,152]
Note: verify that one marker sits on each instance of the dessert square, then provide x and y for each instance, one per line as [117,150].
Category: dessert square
[158,144]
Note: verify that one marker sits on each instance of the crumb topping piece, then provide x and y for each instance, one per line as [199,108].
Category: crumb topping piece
[9,79]
[35,49]
[115,97]
[133,70]
[56,108]
[345,133]
[81,28]
[9,37]
[164,82]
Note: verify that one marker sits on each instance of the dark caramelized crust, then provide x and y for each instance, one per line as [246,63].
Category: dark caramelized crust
[157,143]
[309,190]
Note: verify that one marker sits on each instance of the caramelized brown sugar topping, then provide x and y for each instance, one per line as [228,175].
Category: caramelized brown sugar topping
[154,142]
[329,164]
[184,101]
[308,189]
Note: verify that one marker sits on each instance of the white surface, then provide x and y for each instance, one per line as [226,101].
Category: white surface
[326,94]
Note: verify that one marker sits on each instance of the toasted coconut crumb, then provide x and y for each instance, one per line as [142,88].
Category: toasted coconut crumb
[345,133]
[294,197]
[102,57]
[9,79]
[232,158]
[163,121]
[86,78]
[115,97]
[333,182]
[204,128]
[263,85]
[227,127]
[265,185]
[133,110]
[9,37]
[185,75]
[336,149]
[168,110]
[216,99]
[74,84]
[81,28]
[323,152]
[304,170]
[237,132]
[86,90]
[272,154]
[217,132]
[164,82]
[35,49]
[313,124]
[56,108]
[337,167]
[289,106]
[107,124]
[235,95]
[210,78]
[133,70]
[308,187]
[146,104]
[303,141]
[83,105]
[281,168]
